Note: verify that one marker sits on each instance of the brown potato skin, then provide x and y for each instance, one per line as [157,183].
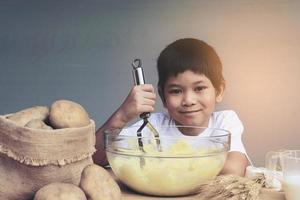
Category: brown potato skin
[22,117]
[60,191]
[68,114]
[98,184]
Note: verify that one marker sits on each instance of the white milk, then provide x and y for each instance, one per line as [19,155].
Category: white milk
[291,186]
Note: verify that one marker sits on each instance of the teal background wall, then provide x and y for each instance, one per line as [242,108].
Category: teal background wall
[82,50]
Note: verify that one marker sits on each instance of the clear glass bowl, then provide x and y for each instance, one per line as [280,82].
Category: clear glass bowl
[176,166]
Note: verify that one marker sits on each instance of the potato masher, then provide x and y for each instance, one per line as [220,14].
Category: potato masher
[138,76]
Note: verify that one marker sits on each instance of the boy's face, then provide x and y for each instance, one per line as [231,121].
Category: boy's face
[190,98]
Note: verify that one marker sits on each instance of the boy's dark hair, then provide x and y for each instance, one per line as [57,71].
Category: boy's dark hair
[189,54]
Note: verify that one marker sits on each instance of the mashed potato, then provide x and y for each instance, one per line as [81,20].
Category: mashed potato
[163,175]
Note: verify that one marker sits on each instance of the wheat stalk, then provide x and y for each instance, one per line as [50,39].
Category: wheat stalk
[231,187]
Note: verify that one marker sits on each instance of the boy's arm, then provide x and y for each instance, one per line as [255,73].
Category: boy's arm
[115,121]
[235,164]
[140,99]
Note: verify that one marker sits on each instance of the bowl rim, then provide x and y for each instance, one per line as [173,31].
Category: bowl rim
[116,134]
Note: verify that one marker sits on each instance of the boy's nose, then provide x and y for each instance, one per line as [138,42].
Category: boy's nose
[188,99]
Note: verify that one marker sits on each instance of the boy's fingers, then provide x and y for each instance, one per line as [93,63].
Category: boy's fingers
[147,108]
[147,87]
[149,95]
[148,102]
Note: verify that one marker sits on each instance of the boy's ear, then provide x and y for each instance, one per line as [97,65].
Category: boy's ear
[220,93]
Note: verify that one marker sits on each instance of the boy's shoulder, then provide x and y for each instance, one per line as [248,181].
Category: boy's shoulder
[224,114]
[225,119]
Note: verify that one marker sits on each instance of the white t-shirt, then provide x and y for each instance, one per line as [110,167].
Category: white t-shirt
[226,119]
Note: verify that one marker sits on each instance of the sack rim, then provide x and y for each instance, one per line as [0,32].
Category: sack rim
[39,147]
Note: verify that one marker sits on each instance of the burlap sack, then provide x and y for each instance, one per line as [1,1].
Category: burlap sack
[32,158]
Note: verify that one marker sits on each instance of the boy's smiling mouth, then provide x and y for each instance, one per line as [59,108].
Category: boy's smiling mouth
[189,111]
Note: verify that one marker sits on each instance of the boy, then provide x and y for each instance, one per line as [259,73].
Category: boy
[190,84]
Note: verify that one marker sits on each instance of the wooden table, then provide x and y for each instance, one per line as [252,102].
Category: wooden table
[266,194]
[128,194]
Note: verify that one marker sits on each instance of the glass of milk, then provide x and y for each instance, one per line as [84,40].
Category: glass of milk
[290,161]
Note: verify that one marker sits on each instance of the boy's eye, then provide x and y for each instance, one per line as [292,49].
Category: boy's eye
[200,88]
[174,91]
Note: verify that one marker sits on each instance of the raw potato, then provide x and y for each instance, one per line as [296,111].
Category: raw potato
[97,184]
[38,124]
[68,114]
[60,191]
[22,117]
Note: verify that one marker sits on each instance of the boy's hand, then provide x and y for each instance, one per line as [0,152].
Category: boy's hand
[140,99]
